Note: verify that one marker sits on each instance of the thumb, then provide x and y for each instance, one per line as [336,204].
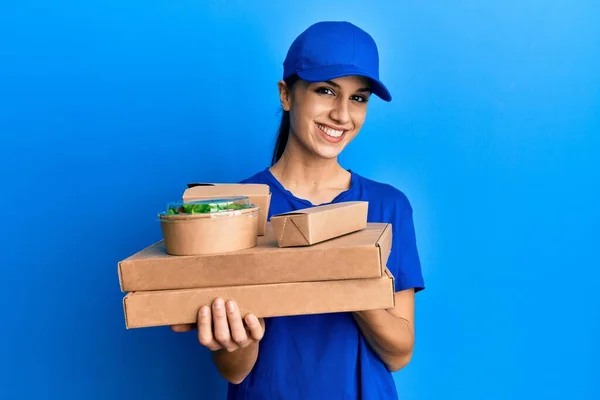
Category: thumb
[255,326]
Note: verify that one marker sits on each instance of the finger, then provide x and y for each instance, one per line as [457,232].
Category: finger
[182,327]
[221,326]
[205,335]
[236,326]
[256,328]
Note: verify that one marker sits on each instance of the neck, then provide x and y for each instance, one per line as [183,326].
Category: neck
[299,167]
[294,173]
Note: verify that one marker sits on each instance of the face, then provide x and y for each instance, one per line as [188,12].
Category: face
[326,116]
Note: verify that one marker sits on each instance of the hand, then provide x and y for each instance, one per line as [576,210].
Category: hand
[223,327]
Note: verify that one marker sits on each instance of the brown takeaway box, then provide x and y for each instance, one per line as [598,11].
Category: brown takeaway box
[170,307]
[358,255]
[258,194]
[317,224]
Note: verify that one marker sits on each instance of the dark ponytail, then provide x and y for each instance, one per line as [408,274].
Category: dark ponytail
[284,127]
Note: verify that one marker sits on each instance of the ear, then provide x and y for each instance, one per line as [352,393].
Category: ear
[284,95]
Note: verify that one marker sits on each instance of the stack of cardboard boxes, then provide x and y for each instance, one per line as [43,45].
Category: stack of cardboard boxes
[319,260]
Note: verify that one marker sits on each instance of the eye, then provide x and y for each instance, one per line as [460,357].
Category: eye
[360,99]
[325,90]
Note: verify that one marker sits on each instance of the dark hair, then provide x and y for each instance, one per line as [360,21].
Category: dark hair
[284,127]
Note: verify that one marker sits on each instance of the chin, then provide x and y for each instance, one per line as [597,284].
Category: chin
[328,154]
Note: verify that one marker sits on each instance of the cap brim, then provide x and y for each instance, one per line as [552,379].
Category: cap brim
[328,72]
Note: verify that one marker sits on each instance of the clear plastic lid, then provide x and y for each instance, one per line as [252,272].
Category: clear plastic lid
[208,206]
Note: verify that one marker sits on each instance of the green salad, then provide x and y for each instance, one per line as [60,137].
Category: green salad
[206,206]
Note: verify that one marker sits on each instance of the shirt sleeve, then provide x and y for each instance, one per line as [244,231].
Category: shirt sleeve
[404,262]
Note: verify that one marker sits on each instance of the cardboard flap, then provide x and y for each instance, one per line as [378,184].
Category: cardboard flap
[389,275]
[293,228]
[391,278]
[385,244]
[300,224]
[124,304]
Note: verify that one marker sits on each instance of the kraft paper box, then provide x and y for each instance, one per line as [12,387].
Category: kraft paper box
[209,226]
[362,254]
[316,224]
[170,307]
[258,194]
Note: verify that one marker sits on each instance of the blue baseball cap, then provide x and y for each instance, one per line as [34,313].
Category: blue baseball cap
[333,49]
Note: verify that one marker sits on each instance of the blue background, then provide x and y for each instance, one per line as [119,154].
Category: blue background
[108,108]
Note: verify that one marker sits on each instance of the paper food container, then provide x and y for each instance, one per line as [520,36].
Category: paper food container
[170,307]
[258,194]
[209,226]
[358,255]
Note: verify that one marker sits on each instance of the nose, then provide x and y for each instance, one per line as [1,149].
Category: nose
[340,113]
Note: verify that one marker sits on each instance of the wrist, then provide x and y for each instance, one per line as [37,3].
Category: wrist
[235,365]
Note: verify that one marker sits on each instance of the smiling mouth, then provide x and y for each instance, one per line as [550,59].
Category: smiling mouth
[334,133]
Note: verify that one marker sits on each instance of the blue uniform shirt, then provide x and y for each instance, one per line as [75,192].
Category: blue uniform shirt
[325,356]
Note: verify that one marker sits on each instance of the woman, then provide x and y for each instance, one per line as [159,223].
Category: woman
[330,72]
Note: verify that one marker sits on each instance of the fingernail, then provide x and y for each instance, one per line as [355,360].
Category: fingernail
[204,311]
[218,303]
[230,306]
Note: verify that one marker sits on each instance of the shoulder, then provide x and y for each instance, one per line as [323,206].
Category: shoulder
[384,193]
[258,177]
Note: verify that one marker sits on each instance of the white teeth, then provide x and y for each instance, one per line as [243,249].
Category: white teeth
[330,132]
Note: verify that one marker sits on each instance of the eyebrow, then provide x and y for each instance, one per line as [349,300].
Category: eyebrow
[361,90]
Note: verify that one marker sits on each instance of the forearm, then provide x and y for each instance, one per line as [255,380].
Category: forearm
[236,365]
[388,335]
